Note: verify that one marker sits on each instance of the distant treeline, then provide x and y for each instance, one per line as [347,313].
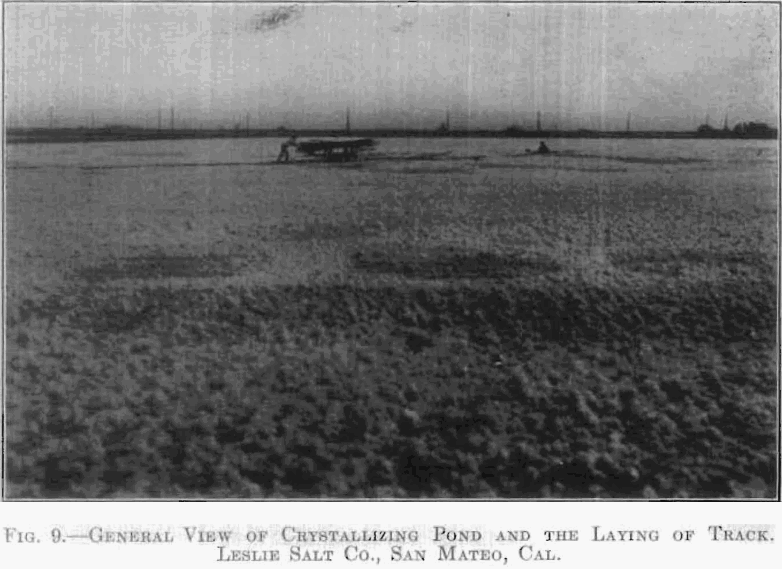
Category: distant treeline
[40,135]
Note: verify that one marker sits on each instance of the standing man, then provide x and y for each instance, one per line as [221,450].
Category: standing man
[291,142]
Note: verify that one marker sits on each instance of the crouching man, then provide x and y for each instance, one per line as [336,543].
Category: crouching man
[284,149]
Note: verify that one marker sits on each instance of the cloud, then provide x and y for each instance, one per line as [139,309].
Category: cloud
[273,19]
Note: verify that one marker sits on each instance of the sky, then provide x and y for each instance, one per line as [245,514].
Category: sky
[393,65]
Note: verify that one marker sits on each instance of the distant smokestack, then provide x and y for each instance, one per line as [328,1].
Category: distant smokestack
[248,124]
[347,121]
[628,122]
[51,117]
[172,118]
[539,125]
[725,126]
[707,120]
[93,120]
[447,119]
[159,119]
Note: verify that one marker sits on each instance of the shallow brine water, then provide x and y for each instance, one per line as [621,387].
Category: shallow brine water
[587,153]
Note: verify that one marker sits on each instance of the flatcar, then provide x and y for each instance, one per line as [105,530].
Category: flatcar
[337,149]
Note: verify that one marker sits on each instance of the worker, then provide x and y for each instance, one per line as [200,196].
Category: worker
[543,149]
[291,142]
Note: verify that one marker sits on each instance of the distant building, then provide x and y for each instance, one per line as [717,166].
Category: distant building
[755,129]
[708,131]
[744,129]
